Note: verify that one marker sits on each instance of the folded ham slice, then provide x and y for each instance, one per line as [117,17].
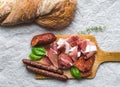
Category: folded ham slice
[62,43]
[53,54]
[74,54]
[87,46]
[65,62]
[61,49]
[72,40]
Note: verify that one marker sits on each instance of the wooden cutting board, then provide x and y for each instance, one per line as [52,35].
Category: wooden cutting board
[100,57]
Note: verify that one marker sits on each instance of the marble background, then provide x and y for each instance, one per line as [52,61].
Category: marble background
[15,45]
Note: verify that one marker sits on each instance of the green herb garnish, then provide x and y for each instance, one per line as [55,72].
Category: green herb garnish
[93,29]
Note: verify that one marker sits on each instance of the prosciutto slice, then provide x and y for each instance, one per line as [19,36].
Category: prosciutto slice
[74,54]
[53,54]
[45,61]
[65,62]
[63,44]
[72,40]
[87,46]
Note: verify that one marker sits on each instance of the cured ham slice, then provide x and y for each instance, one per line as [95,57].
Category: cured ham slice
[63,43]
[84,65]
[54,46]
[65,62]
[45,61]
[72,40]
[87,46]
[61,49]
[74,54]
[53,54]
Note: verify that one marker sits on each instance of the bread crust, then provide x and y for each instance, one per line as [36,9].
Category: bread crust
[59,14]
[60,17]
[23,11]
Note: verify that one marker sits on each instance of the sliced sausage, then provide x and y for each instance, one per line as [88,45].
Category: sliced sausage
[84,65]
[47,73]
[43,39]
[41,66]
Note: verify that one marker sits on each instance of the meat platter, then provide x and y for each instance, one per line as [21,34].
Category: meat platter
[66,56]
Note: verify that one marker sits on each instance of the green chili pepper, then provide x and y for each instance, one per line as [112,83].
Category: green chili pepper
[40,51]
[76,73]
[34,57]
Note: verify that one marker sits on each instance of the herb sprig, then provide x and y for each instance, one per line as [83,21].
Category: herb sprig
[92,29]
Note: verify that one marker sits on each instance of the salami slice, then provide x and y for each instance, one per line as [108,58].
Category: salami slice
[83,64]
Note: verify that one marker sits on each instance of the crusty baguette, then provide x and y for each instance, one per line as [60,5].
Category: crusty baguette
[48,13]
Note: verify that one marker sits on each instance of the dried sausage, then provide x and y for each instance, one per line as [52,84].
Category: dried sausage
[46,73]
[41,66]
[43,39]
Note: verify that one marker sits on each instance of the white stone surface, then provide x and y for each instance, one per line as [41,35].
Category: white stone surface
[15,45]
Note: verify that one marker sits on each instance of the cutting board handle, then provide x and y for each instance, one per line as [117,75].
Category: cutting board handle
[111,57]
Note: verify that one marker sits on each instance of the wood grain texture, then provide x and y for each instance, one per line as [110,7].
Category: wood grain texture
[100,57]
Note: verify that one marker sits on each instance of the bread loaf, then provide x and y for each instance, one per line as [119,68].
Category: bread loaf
[54,14]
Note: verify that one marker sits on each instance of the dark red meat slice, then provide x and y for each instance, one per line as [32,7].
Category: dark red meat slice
[45,61]
[43,39]
[65,61]
[83,64]
[54,46]
[61,49]
[79,43]
[83,45]
[74,54]
[52,53]
[72,40]
[53,56]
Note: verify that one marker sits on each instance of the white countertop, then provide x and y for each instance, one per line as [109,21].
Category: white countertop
[15,45]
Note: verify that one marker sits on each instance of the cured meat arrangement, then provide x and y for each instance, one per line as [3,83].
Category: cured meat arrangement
[51,56]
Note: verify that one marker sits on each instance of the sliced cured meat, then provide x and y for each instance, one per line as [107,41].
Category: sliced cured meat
[79,43]
[43,39]
[83,64]
[89,54]
[87,46]
[52,53]
[65,61]
[61,43]
[54,46]
[74,53]
[72,40]
[53,56]
[61,49]
[45,61]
